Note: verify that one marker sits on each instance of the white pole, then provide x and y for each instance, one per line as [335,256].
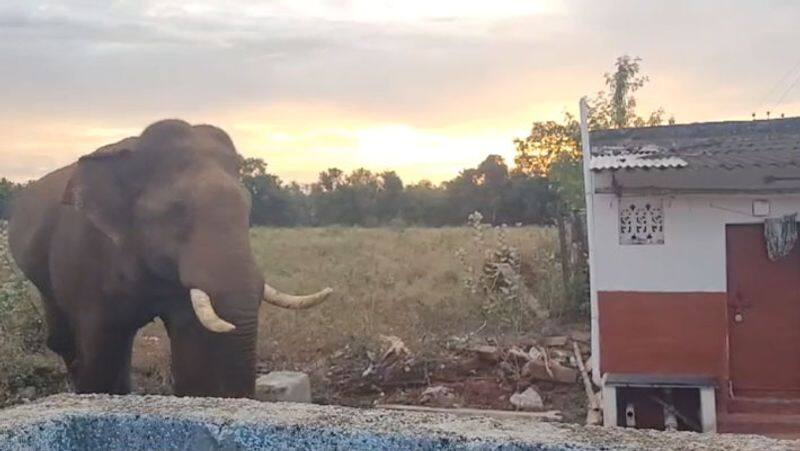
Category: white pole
[588,186]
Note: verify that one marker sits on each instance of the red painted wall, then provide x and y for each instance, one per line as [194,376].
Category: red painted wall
[663,333]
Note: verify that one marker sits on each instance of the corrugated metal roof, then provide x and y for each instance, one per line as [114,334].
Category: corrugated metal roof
[646,157]
[720,145]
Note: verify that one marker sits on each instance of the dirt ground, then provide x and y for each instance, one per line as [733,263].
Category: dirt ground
[356,375]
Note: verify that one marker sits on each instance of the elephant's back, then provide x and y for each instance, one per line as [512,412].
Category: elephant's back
[34,215]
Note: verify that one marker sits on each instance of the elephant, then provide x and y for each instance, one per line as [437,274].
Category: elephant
[154,226]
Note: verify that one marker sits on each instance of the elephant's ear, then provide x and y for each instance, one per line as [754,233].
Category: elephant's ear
[100,189]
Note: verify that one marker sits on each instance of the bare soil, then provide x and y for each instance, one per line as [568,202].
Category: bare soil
[352,375]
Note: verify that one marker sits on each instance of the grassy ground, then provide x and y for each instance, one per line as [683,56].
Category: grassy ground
[405,282]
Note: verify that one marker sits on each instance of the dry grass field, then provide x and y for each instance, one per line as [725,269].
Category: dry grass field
[404,282]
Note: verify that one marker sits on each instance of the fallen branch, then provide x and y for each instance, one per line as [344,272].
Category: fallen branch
[554,415]
[594,415]
[396,348]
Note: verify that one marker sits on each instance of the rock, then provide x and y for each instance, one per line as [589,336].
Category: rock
[438,395]
[284,386]
[527,400]
[27,393]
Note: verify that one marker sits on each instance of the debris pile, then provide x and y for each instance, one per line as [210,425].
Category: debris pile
[562,359]
[545,377]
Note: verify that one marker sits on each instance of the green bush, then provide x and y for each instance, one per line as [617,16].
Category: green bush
[27,370]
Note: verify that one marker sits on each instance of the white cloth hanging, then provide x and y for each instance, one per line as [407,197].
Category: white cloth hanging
[780,235]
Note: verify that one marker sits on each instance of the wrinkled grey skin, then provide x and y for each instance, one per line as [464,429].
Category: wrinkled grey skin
[118,239]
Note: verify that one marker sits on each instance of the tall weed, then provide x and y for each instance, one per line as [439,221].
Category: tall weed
[493,270]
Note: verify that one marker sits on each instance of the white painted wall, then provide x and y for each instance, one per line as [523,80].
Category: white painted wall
[692,257]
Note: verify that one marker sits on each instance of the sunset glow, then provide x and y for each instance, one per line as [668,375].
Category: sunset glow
[424,88]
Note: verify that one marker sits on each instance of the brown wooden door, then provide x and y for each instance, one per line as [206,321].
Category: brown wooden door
[763,315]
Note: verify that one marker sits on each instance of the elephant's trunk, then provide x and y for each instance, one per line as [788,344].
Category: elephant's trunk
[214,340]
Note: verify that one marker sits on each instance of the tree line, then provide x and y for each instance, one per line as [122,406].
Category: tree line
[544,184]
[368,199]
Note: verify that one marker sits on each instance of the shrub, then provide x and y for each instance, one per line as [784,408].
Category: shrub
[26,369]
[493,270]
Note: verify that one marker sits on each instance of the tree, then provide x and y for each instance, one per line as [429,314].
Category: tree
[493,183]
[553,149]
[425,204]
[331,179]
[389,196]
[272,202]
[616,107]
[362,187]
[549,142]
[7,190]
[528,200]
[478,189]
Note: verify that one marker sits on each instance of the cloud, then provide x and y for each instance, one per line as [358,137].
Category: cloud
[316,77]
[179,56]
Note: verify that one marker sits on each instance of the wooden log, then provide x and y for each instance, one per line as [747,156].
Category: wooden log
[489,353]
[559,340]
[548,415]
[581,336]
[550,372]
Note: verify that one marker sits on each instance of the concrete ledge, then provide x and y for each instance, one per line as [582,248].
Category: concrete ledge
[67,422]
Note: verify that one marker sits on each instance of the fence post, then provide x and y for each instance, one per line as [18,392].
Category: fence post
[566,271]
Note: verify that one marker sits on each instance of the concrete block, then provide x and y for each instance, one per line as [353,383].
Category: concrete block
[284,386]
[530,399]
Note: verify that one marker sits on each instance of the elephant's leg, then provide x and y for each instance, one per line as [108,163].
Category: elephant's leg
[103,360]
[59,334]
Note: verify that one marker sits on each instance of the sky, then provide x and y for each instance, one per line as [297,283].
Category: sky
[425,88]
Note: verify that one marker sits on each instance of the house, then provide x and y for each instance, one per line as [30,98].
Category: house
[694,321]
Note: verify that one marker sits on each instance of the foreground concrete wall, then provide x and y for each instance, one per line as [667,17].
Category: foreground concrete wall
[67,422]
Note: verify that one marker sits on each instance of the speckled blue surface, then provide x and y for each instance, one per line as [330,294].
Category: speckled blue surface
[146,432]
[102,422]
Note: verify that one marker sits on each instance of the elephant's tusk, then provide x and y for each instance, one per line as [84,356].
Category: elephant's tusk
[201,304]
[275,297]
